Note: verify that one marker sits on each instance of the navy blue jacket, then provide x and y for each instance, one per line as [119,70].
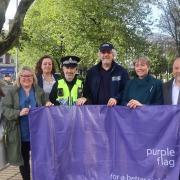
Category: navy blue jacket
[119,77]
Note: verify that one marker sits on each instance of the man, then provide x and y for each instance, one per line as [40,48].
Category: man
[67,90]
[8,79]
[171,89]
[105,81]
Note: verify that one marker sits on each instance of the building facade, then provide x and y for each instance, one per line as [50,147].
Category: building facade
[7,66]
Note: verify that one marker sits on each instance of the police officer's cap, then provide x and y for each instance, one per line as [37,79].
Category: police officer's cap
[70,61]
[106,47]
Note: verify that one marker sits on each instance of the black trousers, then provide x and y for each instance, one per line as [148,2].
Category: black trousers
[25,169]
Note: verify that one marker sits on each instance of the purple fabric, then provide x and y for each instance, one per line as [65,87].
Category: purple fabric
[101,143]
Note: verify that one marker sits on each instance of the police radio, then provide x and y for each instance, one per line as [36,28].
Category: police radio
[60,92]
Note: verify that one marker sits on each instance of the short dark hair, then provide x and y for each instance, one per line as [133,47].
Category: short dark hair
[38,69]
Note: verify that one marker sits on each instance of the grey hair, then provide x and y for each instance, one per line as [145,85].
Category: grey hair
[114,54]
[142,58]
[26,68]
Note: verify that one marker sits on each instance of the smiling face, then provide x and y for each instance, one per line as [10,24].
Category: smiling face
[141,68]
[26,79]
[69,73]
[106,58]
[46,66]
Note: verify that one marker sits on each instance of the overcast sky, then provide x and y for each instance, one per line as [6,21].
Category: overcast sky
[10,11]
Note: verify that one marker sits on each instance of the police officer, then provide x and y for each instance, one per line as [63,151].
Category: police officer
[67,90]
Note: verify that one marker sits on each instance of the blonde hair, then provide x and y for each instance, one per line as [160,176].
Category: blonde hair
[142,58]
[26,68]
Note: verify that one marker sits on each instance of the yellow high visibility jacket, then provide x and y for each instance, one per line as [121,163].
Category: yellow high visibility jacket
[66,97]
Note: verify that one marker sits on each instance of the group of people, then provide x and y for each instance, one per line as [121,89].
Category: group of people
[106,83]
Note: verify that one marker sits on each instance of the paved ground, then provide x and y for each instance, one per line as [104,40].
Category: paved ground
[10,173]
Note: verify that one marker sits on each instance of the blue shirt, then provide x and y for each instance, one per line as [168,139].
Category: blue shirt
[26,102]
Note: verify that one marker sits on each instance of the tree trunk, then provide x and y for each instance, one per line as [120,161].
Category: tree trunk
[14,33]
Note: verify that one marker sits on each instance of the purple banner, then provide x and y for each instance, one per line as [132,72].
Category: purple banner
[101,143]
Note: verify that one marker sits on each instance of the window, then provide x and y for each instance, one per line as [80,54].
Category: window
[1,60]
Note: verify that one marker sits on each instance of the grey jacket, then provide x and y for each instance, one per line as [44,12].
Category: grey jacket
[10,114]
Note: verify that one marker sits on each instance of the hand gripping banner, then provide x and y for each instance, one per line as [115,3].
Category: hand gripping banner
[102,143]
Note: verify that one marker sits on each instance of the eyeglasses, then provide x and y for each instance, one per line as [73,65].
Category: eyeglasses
[26,76]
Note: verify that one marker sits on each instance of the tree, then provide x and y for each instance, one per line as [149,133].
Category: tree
[170,20]
[9,40]
[158,63]
[85,25]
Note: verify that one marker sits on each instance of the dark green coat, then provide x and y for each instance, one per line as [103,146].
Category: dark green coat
[11,112]
[146,91]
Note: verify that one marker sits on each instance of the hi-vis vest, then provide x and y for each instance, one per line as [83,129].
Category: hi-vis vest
[66,97]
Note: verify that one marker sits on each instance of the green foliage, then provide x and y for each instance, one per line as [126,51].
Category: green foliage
[158,60]
[161,56]
[59,27]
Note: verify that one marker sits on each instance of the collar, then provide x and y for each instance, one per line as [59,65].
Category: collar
[175,85]
[44,77]
[71,82]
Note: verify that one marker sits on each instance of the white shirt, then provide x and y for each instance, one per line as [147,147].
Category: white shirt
[175,93]
[47,85]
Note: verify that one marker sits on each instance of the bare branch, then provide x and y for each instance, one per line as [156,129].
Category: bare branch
[15,31]
[170,21]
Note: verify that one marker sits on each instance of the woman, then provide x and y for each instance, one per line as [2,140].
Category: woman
[144,89]
[20,98]
[45,71]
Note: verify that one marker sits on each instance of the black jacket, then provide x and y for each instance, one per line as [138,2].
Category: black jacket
[119,77]
[40,79]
